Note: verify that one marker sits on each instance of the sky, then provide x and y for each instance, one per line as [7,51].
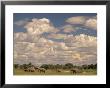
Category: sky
[58,19]
[55,38]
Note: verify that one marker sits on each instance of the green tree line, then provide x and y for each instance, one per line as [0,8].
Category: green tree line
[56,66]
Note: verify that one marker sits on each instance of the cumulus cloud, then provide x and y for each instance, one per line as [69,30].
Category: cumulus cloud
[81,40]
[57,51]
[68,28]
[57,36]
[20,36]
[32,47]
[56,30]
[39,26]
[89,22]
[76,20]
[21,22]
[83,47]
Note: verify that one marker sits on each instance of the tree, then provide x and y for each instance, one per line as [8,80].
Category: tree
[44,66]
[25,66]
[95,66]
[58,66]
[30,64]
[84,66]
[51,66]
[92,66]
[16,66]
[69,65]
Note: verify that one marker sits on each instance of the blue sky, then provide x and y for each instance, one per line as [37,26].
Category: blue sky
[58,19]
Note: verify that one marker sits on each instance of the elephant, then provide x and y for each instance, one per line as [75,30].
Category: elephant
[41,70]
[73,71]
[30,69]
[58,70]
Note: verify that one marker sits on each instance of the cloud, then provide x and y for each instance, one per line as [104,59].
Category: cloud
[76,20]
[91,23]
[68,28]
[81,40]
[48,51]
[32,47]
[55,30]
[88,22]
[20,36]
[21,22]
[39,26]
[57,36]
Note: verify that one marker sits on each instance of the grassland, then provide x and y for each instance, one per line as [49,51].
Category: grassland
[20,72]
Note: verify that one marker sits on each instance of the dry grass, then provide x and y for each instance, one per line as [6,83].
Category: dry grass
[53,72]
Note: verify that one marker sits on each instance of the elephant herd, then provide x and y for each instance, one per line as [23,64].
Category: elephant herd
[72,71]
[42,70]
[33,69]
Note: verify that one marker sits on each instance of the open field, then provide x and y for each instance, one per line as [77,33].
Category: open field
[53,72]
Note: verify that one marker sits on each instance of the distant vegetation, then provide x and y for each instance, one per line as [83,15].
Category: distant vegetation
[56,66]
[54,69]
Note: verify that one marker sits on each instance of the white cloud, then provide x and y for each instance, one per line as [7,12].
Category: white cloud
[48,51]
[39,26]
[76,20]
[91,23]
[20,36]
[57,36]
[68,28]
[21,22]
[81,40]
[45,20]
[31,47]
